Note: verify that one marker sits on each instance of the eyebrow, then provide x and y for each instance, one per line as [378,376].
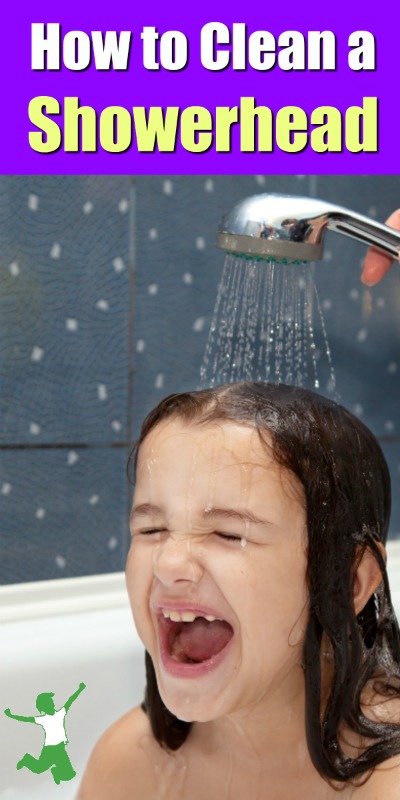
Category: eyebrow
[231,513]
[148,509]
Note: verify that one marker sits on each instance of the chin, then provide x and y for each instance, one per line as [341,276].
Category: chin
[188,707]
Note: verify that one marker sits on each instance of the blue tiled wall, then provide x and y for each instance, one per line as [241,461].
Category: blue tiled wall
[108,286]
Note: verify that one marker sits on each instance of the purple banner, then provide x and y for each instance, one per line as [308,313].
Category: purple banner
[209,88]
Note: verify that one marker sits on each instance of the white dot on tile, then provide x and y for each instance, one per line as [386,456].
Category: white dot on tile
[14,269]
[153,233]
[354,294]
[116,425]
[328,255]
[34,428]
[168,187]
[302,284]
[198,324]
[187,278]
[389,425]
[358,409]
[200,243]
[6,488]
[153,288]
[372,211]
[123,205]
[118,264]
[72,458]
[260,179]
[87,208]
[37,353]
[71,324]
[33,202]
[55,251]
[362,335]
[159,381]
[60,561]
[392,367]
[102,392]
[380,302]
[140,345]
[112,543]
[40,513]
[326,304]
[209,185]
[94,499]
[102,305]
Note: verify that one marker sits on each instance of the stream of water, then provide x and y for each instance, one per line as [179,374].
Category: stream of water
[263,327]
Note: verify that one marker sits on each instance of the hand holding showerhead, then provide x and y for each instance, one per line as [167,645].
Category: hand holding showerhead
[376,263]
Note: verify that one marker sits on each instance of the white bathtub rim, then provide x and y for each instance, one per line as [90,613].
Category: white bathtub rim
[22,601]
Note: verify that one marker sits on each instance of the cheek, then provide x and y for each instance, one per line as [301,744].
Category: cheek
[268,591]
[138,576]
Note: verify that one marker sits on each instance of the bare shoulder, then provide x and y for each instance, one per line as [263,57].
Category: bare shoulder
[123,763]
[383,783]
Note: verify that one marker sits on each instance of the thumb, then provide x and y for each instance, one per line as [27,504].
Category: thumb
[377,263]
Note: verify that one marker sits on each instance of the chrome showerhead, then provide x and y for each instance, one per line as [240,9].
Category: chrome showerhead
[288,228]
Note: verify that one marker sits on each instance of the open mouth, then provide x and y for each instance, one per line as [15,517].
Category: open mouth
[196,641]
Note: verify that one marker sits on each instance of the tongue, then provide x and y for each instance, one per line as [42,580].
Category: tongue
[200,640]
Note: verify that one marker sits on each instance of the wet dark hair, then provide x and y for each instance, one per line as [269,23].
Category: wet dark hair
[347,493]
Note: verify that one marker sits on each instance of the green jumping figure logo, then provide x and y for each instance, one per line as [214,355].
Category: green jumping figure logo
[54,755]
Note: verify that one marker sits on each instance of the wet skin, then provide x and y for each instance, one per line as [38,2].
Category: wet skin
[197,486]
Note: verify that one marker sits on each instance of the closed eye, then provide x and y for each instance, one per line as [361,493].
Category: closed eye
[149,531]
[229,536]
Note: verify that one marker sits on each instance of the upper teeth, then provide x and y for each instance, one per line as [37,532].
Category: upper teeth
[185,616]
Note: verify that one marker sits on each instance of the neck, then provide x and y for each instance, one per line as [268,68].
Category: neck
[268,740]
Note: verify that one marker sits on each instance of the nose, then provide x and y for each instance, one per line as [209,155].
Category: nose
[177,559]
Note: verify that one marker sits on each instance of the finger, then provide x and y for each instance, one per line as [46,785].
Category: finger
[394,220]
[376,262]
[376,265]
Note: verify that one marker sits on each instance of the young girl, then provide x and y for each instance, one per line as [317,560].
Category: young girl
[258,586]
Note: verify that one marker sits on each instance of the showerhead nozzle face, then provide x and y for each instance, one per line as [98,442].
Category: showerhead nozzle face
[273,227]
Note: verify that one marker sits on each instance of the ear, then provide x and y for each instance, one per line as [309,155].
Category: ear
[367,577]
